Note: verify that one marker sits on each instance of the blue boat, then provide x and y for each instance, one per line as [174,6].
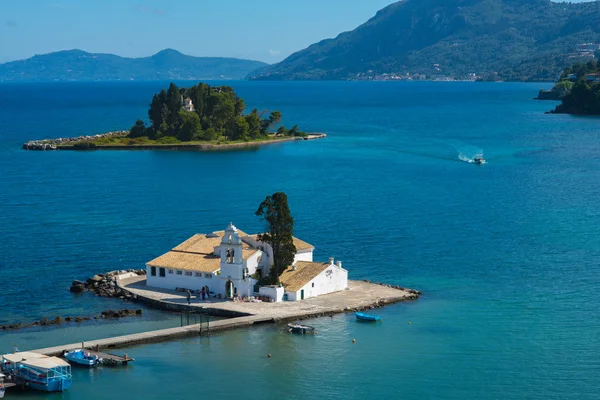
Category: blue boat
[38,371]
[82,357]
[367,317]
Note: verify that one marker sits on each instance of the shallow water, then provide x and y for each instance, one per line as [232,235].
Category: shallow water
[505,252]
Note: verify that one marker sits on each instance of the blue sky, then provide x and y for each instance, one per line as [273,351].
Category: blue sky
[266,30]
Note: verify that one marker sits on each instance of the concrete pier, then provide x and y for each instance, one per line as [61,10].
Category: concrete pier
[359,296]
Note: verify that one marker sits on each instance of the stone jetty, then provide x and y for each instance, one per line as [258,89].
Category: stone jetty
[360,295]
[53,144]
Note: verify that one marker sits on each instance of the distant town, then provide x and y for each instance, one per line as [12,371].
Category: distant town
[581,52]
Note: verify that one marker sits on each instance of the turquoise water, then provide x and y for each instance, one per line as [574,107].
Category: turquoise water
[505,253]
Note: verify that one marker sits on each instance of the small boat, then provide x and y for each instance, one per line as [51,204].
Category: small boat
[82,357]
[301,329]
[478,159]
[367,317]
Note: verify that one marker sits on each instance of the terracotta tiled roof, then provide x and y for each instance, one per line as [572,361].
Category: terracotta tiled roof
[187,262]
[305,272]
[199,244]
[300,244]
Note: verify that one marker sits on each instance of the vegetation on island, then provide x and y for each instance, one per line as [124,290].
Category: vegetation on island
[581,87]
[204,113]
[519,40]
[275,212]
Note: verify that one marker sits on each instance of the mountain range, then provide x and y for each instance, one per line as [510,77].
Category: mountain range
[515,39]
[78,65]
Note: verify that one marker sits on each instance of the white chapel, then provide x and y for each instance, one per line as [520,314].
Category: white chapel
[229,263]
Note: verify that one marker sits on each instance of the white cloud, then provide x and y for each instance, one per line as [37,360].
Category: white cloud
[274,53]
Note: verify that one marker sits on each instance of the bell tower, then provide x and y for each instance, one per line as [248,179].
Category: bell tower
[231,246]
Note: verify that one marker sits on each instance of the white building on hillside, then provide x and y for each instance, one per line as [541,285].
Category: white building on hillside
[188,105]
[230,263]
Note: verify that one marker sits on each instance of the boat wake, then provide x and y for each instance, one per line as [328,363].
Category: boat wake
[471,155]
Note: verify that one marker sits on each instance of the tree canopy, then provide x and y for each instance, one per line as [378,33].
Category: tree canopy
[583,96]
[275,212]
[204,112]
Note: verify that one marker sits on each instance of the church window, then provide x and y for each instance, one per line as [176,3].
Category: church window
[199,274]
[313,285]
[153,271]
[171,271]
[188,273]
[209,276]
[179,272]
[161,272]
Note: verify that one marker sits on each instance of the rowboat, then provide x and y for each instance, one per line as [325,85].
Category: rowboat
[367,317]
[301,329]
[82,357]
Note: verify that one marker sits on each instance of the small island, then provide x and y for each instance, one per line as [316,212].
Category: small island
[579,90]
[202,117]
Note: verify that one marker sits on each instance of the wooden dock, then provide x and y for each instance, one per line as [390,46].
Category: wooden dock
[110,359]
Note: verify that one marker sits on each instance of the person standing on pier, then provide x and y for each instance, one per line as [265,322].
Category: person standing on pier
[203,293]
[189,297]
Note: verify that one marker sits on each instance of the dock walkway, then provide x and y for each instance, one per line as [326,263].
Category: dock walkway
[359,296]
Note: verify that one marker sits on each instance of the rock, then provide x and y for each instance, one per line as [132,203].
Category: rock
[57,321]
[76,283]
[96,278]
[44,321]
[68,319]
[138,311]
[77,289]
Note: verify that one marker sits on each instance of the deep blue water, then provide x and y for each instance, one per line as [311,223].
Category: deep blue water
[505,253]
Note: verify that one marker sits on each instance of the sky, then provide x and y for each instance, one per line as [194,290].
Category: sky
[265,30]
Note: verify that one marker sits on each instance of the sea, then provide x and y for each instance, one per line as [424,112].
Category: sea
[507,254]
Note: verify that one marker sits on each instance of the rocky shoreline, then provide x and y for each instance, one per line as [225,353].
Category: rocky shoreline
[58,320]
[105,285]
[52,144]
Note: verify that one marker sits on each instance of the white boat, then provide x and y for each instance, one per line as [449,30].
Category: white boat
[38,371]
[82,357]
[478,159]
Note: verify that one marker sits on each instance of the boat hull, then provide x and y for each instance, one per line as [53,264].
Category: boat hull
[367,317]
[55,385]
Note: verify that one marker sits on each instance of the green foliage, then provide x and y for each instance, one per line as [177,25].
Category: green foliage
[582,98]
[190,125]
[274,210]
[168,140]
[282,131]
[138,129]
[517,39]
[217,111]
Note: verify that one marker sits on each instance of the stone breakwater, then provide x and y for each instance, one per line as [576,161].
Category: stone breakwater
[105,285]
[52,144]
[107,314]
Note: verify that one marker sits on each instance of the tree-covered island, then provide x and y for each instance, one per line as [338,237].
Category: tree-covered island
[198,115]
[579,90]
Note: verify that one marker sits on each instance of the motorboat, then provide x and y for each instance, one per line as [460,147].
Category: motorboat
[478,159]
[367,317]
[301,329]
[38,371]
[82,357]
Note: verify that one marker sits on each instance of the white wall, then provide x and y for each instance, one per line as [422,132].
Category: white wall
[252,262]
[333,279]
[305,255]
[172,281]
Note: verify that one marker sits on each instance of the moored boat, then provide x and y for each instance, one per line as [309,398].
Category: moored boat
[38,371]
[2,388]
[82,357]
[367,317]
[301,329]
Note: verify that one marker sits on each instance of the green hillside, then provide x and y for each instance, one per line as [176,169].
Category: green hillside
[517,39]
